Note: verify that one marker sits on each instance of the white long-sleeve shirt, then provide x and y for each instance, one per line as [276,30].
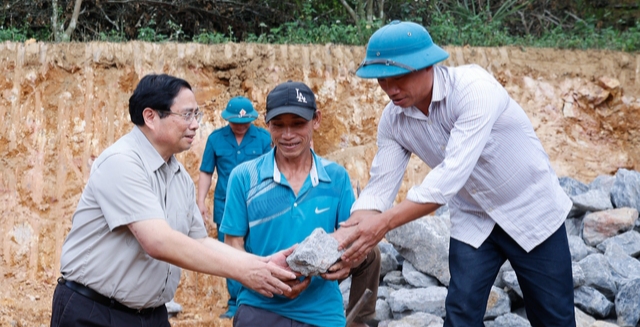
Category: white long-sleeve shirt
[487,163]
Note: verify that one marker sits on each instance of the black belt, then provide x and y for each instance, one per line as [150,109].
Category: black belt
[97,297]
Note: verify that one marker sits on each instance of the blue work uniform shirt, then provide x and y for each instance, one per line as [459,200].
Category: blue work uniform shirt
[262,208]
[223,153]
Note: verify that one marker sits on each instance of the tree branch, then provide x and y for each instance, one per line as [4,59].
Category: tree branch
[74,20]
[350,10]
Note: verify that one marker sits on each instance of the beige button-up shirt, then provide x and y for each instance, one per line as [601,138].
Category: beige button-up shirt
[129,182]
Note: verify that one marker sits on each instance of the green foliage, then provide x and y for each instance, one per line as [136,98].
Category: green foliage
[534,23]
[23,33]
[210,38]
[470,25]
[586,35]
[309,32]
[12,34]
[112,36]
[149,34]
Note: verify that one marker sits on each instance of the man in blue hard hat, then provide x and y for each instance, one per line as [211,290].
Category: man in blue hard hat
[226,148]
[487,164]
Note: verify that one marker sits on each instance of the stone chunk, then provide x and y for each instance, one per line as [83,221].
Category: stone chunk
[626,189]
[315,254]
[425,243]
[591,301]
[627,304]
[629,241]
[601,225]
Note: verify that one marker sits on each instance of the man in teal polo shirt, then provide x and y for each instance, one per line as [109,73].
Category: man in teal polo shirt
[277,200]
[226,148]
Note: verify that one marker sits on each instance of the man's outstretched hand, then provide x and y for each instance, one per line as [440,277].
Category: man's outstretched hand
[359,234]
[280,258]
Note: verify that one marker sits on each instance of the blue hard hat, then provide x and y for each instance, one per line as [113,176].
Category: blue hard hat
[399,48]
[239,111]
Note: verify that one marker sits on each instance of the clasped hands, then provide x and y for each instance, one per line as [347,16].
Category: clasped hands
[358,236]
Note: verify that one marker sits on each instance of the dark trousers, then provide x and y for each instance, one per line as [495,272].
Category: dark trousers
[70,309]
[366,275]
[248,316]
[544,275]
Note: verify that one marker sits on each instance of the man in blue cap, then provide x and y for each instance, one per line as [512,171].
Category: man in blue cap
[226,148]
[487,164]
[279,199]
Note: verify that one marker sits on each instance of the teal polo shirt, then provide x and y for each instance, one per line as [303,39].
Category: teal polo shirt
[262,208]
[222,153]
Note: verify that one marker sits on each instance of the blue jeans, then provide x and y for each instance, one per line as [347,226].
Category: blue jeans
[544,274]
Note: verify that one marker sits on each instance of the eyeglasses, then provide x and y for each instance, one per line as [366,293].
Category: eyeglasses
[189,115]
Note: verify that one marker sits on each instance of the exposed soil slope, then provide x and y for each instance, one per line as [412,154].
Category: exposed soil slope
[62,104]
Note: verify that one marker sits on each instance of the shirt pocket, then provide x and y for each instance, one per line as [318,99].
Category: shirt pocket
[251,153]
[226,159]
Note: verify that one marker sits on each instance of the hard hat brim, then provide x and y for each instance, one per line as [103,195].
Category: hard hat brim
[234,118]
[416,60]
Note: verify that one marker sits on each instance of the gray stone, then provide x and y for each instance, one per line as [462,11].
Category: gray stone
[573,226]
[443,211]
[388,248]
[498,303]
[383,312]
[418,319]
[579,278]
[626,189]
[425,243]
[603,323]
[583,319]
[572,186]
[388,263]
[629,241]
[623,266]
[315,254]
[511,320]
[394,277]
[589,300]
[511,280]
[603,182]
[579,250]
[396,287]
[429,300]
[506,266]
[592,200]
[345,288]
[384,291]
[601,225]
[416,278]
[598,274]
[628,304]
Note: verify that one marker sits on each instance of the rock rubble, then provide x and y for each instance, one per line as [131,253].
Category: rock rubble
[604,239]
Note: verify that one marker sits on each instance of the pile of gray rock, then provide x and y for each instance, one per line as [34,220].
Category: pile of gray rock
[604,239]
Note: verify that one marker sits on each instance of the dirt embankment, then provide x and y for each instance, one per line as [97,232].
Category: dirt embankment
[61,105]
